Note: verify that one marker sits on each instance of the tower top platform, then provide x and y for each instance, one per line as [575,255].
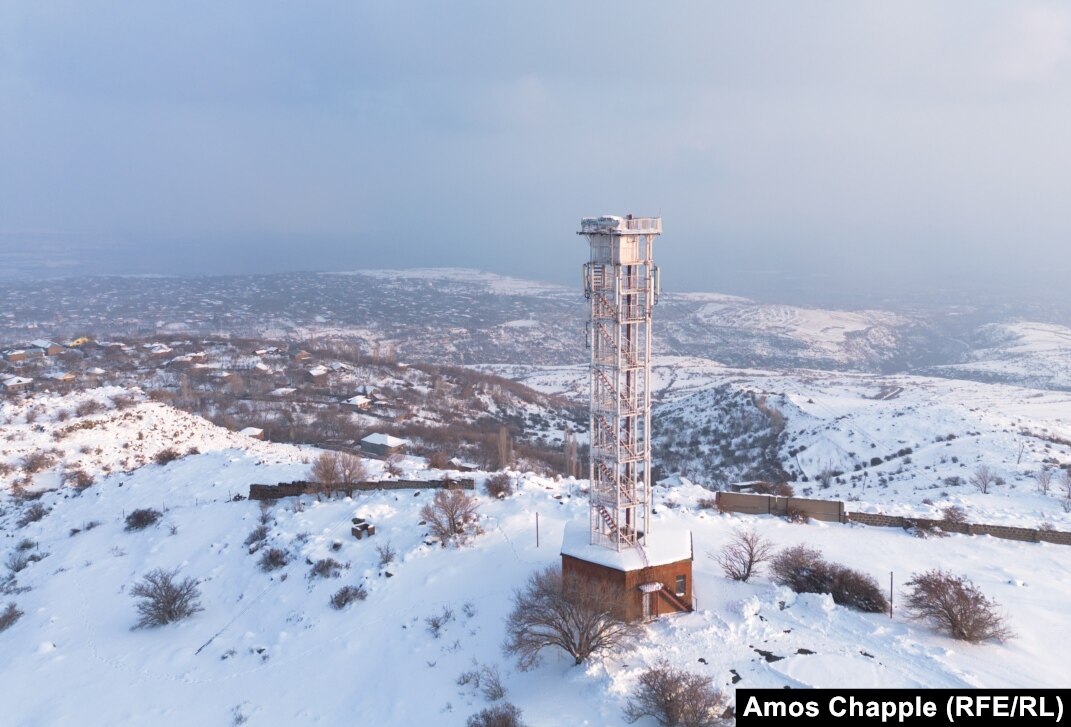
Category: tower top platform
[614,225]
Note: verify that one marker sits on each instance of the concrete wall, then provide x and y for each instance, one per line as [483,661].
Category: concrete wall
[833,511]
[293,489]
[827,510]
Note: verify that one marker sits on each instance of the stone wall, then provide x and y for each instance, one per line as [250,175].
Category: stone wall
[293,489]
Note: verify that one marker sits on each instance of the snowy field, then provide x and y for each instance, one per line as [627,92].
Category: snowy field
[269,649]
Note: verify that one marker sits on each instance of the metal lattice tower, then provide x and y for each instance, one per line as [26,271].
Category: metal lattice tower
[621,282]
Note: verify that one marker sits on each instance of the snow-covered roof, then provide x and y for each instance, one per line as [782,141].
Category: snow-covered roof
[252,432]
[664,545]
[16,381]
[42,343]
[318,371]
[358,400]
[95,371]
[385,440]
[283,391]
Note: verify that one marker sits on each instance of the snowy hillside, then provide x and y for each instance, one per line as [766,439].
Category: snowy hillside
[268,648]
[928,435]
[1022,352]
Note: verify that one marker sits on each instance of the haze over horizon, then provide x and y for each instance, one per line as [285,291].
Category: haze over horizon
[869,151]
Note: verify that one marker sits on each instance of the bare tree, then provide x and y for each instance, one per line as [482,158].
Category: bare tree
[677,698]
[744,554]
[164,599]
[326,470]
[498,715]
[581,616]
[394,465]
[982,478]
[955,605]
[451,516]
[351,469]
[505,448]
[1044,480]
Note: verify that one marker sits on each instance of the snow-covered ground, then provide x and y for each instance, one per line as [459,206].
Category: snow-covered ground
[268,648]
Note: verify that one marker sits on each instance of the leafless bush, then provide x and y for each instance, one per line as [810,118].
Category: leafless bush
[744,554]
[394,465]
[164,599]
[954,515]
[325,469]
[953,604]
[386,553]
[1044,479]
[451,516]
[486,680]
[256,537]
[497,715]
[927,529]
[796,515]
[326,568]
[274,559]
[121,401]
[9,616]
[142,518]
[31,514]
[439,460]
[804,570]
[676,698]
[707,503]
[86,408]
[168,454]
[583,617]
[346,595]
[18,560]
[982,479]
[780,489]
[37,461]
[498,485]
[78,478]
[436,622]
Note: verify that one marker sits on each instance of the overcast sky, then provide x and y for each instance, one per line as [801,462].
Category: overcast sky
[898,142]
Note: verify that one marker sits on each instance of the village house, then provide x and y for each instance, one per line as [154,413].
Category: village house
[383,445]
[47,348]
[357,403]
[14,384]
[316,375]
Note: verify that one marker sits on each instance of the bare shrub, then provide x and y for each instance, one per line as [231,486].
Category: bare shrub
[804,570]
[436,622]
[346,595]
[327,568]
[78,478]
[1044,480]
[780,489]
[31,514]
[676,698]
[954,605]
[351,468]
[121,401]
[744,554]
[9,616]
[982,479]
[386,553]
[256,537]
[486,680]
[497,715]
[17,561]
[274,559]
[451,516]
[498,485]
[142,518]
[954,515]
[37,461]
[394,465]
[164,599]
[927,529]
[439,460]
[707,503]
[86,408]
[796,515]
[168,454]
[583,617]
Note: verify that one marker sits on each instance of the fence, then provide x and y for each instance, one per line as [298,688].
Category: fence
[293,489]
[833,511]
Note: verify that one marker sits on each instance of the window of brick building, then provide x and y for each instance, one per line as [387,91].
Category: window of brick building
[682,585]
